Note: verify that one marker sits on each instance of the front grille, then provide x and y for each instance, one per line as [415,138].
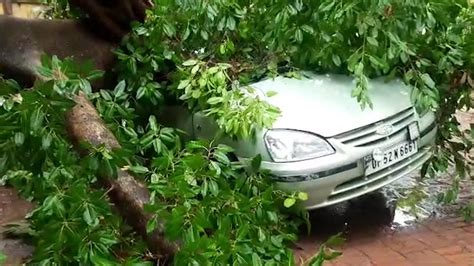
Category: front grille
[367,136]
[363,184]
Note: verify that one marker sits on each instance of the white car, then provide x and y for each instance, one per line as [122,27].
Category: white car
[324,144]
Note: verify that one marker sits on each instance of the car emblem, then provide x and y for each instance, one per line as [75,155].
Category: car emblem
[384,129]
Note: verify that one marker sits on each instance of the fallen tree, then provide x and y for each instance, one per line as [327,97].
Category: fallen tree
[75,223]
[84,126]
[128,195]
[219,213]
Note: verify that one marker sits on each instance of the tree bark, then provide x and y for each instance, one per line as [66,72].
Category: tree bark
[129,195]
[7,7]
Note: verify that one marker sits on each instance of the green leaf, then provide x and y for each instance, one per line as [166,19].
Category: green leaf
[404,57]
[214,100]
[271,93]
[46,141]
[195,145]
[151,225]
[36,120]
[139,169]
[157,145]
[222,49]
[88,215]
[308,29]
[221,24]
[119,89]
[230,23]
[289,202]
[335,240]
[299,36]
[428,81]
[141,92]
[221,157]
[272,216]
[169,29]
[183,84]
[153,124]
[106,95]
[256,261]
[373,41]
[256,162]
[243,231]
[332,255]
[204,35]
[195,69]
[141,30]
[472,130]
[19,138]
[303,196]
[98,260]
[261,235]
[190,62]
[213,187]
[336,59]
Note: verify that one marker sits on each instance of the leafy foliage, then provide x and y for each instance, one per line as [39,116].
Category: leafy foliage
[37,158]
[429,44]
[326,251]
[203,53]
[57,9]
[221,213]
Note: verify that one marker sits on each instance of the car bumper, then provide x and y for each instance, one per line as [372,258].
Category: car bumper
[341,176]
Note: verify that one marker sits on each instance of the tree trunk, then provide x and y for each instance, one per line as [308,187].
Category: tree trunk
[129,195]
[7,7]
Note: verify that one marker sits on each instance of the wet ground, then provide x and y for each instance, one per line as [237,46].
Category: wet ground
[12,209]
[381,230]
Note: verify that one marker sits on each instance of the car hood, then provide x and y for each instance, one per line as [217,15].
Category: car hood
[323,104]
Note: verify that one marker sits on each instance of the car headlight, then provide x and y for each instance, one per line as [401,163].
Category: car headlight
[286,145]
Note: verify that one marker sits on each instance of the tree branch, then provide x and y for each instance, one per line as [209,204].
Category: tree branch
[129,196]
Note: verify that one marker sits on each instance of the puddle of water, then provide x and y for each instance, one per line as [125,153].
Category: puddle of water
[402,219]
[405,217]
[416,200]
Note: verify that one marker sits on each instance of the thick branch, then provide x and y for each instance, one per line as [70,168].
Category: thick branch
[7,7]
[85,125]
[113,18]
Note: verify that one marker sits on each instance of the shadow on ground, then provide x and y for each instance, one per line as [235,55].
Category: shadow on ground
[364,215]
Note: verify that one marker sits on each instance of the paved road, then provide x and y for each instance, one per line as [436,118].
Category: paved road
[374,239]
[446,242]
[12,209]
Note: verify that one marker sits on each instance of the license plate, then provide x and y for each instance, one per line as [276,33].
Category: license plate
[391,156]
